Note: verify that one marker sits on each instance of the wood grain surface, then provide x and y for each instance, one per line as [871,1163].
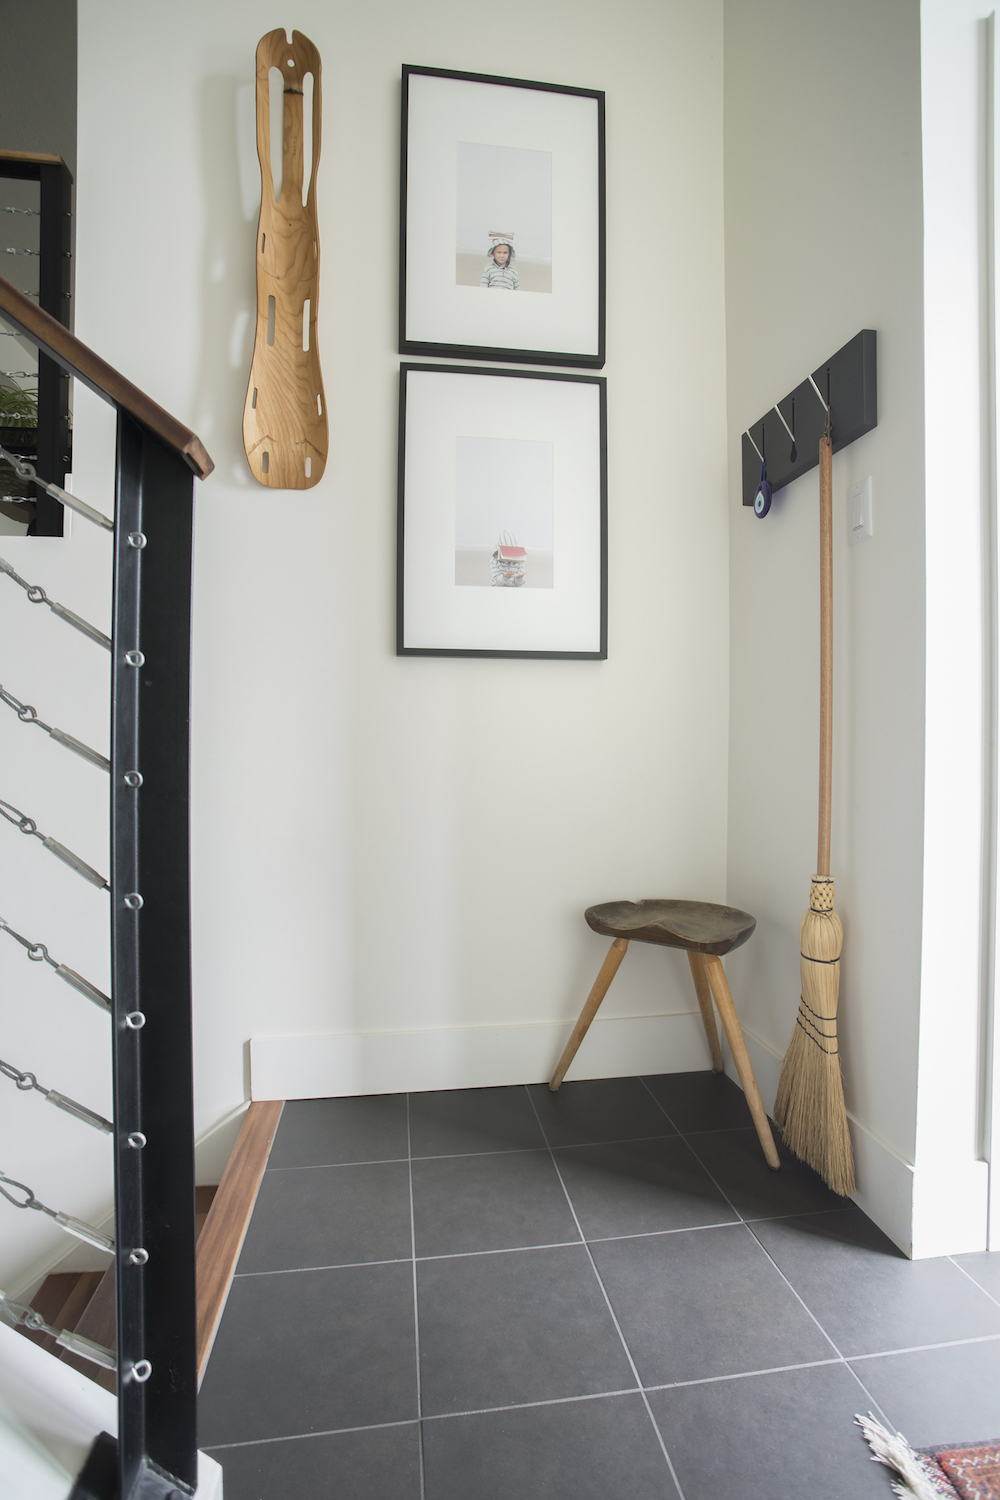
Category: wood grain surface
[96,1322]
[602,984]
[703,990]
[738,1047]
[285,430]
[45,158]
[825,651]
[695,926]
[100,377]
[221,1240]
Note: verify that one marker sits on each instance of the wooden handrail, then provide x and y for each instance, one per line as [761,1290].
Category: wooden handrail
[43,158]
[59,344]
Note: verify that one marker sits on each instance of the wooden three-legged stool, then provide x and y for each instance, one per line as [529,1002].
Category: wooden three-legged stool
[704,931]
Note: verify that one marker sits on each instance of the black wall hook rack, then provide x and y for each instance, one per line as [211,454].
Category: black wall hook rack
[789,442]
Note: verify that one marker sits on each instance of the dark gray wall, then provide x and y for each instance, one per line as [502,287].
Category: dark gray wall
[38,77]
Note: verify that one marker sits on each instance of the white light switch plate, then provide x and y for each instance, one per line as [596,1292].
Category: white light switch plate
[859,511]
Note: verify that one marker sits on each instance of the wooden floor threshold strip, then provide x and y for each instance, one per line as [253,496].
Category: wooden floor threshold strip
[221,1240]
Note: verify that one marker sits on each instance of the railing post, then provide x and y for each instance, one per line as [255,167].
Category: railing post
[54,283]
[151,989]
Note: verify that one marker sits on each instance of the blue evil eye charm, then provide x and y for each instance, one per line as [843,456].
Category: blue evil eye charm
[762,499]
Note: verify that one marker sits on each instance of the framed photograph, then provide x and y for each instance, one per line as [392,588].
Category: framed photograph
[503,515]
[501,192]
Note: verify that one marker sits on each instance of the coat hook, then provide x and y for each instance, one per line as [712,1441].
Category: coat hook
[819,394]
[785,425]
[754,446]
[795,452]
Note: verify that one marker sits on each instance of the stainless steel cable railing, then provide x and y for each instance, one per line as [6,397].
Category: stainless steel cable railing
[29,715]
[29,827]
[37,595]
[26,470]
[76,1227]
[74,1342]
[149,1004]
[38,953]
[28,1083]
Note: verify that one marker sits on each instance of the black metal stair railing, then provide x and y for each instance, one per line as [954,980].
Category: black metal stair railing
[150,1001]
[49,266]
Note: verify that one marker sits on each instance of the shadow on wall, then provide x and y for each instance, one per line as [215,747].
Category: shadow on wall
[230,184]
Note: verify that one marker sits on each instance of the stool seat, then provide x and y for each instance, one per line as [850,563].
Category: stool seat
[695,926]
[704,931]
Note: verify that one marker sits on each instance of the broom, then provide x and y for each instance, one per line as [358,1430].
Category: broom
[809,1109]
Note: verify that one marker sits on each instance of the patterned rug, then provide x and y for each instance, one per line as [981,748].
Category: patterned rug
[969,1472]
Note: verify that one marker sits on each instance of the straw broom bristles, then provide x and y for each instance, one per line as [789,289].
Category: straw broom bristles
[809,1109]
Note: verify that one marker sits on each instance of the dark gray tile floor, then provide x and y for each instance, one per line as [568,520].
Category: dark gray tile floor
[508,1294]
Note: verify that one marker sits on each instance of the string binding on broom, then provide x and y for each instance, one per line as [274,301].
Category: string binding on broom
[809,1106]
[813,1032]
[821,895]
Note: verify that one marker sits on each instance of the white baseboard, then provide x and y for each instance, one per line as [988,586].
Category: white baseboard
[392,1062]
[330,1065]
[884,1178]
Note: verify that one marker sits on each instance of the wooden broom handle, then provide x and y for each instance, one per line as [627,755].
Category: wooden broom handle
[825,648]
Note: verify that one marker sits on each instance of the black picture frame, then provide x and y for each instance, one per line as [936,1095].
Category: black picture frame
[432,348]
[600,382]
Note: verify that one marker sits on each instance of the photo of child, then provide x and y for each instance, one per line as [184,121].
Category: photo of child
[503,513]
[499,268]
[503,185]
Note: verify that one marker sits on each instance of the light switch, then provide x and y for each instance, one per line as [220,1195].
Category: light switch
[859,511]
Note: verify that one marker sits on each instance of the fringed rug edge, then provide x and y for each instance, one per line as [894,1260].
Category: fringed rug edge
[920,1478]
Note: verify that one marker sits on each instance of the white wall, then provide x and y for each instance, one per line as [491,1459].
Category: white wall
[353,864]
[823,238]
[952,1069]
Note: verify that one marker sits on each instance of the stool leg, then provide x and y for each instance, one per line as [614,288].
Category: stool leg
[734,1035]
[704,993]
[602,984]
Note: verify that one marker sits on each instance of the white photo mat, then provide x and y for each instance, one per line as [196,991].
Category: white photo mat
[567,615]
[437,315]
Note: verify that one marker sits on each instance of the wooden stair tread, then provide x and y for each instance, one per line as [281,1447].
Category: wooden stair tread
[83,1302]
[221,1240]
[62,1300]
[53,1294]
[75,1305]
[49,1300]
[97,1322]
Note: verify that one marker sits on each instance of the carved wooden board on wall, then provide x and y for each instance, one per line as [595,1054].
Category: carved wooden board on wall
[285,431]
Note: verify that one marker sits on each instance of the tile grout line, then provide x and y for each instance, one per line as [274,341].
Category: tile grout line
[748,1226]
[403,1260]
[844,1361]
[984,1338]
[808,1364]
[434,1416]
[607,1300]
[973,1279]
[416,1308]
[385,1161]
[445,1416]
[746,1222]
[554,1152]
[757,1240]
